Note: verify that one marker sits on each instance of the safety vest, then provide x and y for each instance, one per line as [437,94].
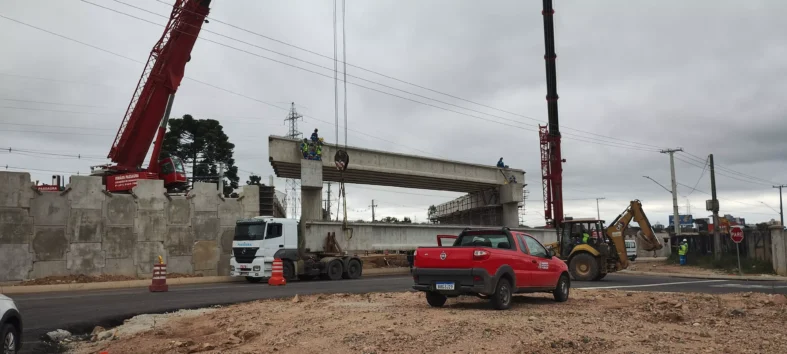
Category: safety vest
[585,238]
[304,147]
[319,150]
[683,249]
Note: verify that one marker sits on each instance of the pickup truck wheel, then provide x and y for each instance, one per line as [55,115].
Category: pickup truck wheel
[435,299]
[583,267]
[253,279]
[562,289]
[501,299]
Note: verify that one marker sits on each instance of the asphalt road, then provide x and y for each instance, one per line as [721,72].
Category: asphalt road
[79,312]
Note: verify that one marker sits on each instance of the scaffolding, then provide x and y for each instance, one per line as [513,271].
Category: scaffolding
[479,209]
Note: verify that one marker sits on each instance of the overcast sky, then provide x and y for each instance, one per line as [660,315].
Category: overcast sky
[633,77]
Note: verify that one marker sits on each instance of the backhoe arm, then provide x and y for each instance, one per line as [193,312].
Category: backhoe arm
[615,233]
[650,241]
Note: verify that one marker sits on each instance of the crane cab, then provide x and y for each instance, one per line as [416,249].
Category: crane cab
[172,171]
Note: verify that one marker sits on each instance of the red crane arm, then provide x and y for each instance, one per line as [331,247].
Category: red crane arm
[161,78]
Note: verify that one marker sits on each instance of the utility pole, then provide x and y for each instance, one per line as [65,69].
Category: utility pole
[373,206]
[598,211]
[675,215]
[714,207]
[328,201]
[781,205]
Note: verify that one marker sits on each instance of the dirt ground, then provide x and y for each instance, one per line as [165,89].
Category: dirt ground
[66,279]
[592,321]
[384,261]
[669,267]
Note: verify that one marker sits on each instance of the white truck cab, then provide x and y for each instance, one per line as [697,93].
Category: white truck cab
[256,242]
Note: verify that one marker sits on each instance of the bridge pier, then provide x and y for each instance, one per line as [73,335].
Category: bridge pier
[311,190]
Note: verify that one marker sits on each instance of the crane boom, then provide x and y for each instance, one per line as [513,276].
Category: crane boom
[159,81]
[551,160]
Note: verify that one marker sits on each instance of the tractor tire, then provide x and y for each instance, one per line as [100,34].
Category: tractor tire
[583,267]
[288,270]
[353,270]
[334,270]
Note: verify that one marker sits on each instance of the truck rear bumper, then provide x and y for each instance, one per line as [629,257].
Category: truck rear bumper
[465,281]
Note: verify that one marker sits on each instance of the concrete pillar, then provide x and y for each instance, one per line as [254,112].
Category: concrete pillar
[510,197]
[311,190]
[779,250]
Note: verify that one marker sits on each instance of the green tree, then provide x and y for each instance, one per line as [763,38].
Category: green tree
[406,220]
[254,180]
[202,144]
[431,214]
[390,220]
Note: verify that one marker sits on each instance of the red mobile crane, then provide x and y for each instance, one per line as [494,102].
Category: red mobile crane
[147,113]
[551,161]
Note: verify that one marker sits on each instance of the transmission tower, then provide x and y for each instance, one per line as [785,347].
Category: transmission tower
[293,185]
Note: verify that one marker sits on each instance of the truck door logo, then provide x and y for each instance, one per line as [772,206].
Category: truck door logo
[543,265]
[442,256]
[243,251]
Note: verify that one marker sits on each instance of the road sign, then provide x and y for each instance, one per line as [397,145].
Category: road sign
[736,234]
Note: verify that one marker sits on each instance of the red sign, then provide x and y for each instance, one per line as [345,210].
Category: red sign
[48,188]
[736,234]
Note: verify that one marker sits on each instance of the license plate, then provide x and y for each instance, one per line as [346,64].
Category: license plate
[244,268]
[444,286]
[244,273]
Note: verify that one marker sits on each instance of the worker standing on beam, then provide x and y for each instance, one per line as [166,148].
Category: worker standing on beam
[315,137]
[501,164]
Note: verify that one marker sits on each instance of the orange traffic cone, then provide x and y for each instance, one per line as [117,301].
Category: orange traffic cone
[159,283]
[277,273]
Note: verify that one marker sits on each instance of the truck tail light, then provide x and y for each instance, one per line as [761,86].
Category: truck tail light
[479,255]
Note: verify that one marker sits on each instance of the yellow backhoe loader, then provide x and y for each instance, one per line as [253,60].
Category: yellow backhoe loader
[603,250]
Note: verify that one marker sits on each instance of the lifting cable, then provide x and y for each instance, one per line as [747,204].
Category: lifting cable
[341,158]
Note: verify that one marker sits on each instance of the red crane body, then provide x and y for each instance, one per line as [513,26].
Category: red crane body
[147,113]
[551,159]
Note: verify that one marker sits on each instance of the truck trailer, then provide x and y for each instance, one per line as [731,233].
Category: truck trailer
[261,239]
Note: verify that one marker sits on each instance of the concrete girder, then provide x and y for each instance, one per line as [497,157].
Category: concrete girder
[373,167]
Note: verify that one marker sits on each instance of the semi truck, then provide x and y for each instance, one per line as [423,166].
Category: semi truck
[261,239]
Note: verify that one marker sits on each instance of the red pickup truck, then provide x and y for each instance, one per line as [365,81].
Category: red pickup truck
[491,264]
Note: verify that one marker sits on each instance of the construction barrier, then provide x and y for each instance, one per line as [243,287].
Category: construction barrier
[277,273]
[159,283]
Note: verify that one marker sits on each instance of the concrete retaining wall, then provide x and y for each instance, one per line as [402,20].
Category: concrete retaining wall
[779,250]
[85,231]
[382,236]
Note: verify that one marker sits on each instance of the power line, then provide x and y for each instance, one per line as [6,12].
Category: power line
[729,170]
[380,74]
[700,178]
[722,174]
[52,103]
[257,100]
[616,143]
